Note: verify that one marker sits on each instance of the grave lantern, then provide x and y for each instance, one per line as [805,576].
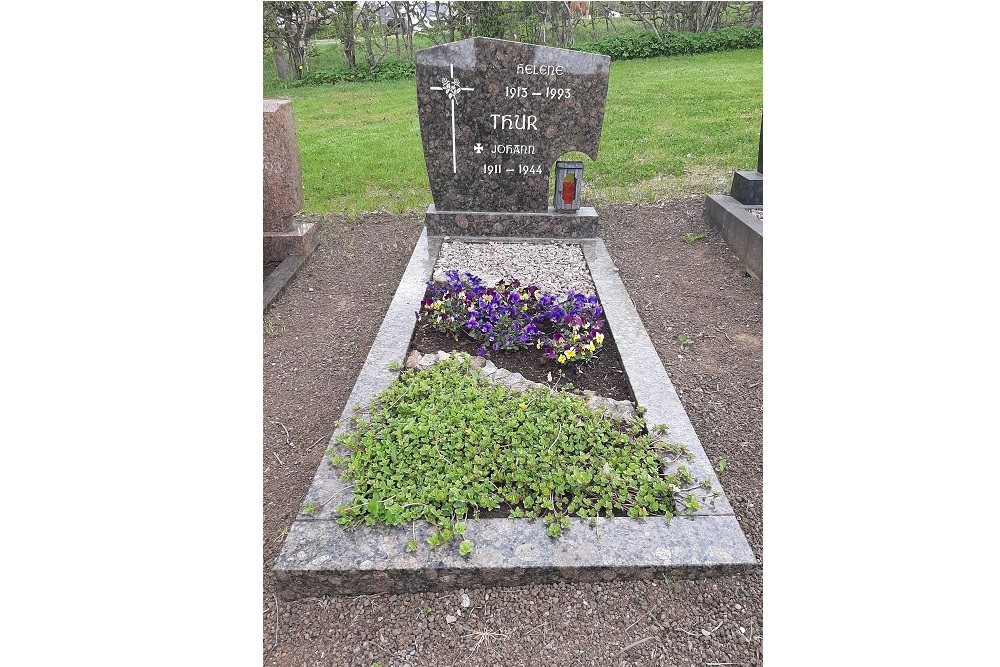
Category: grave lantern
[569,178]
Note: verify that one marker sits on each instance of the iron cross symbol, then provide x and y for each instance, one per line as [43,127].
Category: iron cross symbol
[451,86]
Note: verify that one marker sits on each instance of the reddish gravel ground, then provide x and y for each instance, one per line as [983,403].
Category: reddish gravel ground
[315,338]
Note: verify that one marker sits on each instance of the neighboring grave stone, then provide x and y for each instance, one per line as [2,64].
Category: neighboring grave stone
[748,186]
[495,116]
[760,148]
[283,235]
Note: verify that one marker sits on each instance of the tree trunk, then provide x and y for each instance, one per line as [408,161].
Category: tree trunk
[349,52]
[297,65]
[280,61]
[450,19]
[397,16]
[345,31]
[298,55]
[300,52]
[710,16]
[566,27]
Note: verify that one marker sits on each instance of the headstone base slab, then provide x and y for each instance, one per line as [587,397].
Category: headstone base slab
[301,239]
[577,224]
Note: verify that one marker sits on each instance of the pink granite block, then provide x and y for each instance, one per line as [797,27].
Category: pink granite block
[300,239]
[282,172]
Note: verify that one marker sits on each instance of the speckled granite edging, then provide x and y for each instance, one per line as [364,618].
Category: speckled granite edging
[321,558]
[578,224]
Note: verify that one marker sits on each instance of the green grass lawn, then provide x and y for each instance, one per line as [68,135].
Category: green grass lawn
[672,126]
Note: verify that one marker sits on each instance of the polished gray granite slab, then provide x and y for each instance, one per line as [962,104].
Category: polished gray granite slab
[576,224]
[495,115]
[319,557]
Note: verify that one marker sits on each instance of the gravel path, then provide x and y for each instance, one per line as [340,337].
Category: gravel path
[315,339]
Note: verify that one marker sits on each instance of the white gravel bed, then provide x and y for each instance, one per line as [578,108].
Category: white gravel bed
[758,213]
[555,268]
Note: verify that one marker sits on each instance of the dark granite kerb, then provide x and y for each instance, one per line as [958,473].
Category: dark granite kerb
[742,231]
[321,558]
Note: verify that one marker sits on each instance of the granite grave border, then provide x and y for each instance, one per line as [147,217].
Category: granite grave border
[319,557]
[742,231]
[279,279]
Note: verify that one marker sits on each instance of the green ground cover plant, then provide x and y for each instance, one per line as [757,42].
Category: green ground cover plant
[444,444]
[672,126]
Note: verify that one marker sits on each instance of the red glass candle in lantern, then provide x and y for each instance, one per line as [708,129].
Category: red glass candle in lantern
[567,194]
[569,189]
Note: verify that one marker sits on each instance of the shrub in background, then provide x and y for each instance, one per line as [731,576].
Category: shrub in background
[387,70]
[645,44]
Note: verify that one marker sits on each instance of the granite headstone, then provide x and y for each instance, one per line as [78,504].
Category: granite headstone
[282,173]
[283,235]
[748,186]
[495,116]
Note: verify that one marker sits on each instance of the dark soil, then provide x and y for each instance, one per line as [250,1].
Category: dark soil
[315,339]
[602,374]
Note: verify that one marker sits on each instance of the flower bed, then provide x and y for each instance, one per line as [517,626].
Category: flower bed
[553,339]
[567,329]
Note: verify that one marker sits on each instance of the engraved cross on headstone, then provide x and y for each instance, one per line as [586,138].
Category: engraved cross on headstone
[451,86]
